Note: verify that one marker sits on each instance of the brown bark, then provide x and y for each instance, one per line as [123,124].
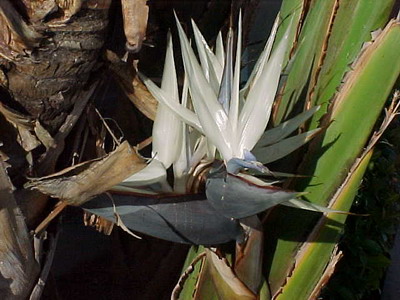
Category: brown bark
[43,80]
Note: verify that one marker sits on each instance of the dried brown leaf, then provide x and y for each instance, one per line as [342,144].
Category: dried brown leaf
[15,35]
[38,9]
[18,268]
[25,126]
[100,224]
[78,184]
[227,284]
[43,135]
[249,255]
[135,14]
[133,88]
[69,7]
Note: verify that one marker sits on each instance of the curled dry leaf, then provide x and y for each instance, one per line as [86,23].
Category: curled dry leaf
[25,126]
[133,88]
[69,7]
[249,255]
[15,36]
[135,14]
[80,183]
[100,224]
[39,10]
[18,268]
[223,277]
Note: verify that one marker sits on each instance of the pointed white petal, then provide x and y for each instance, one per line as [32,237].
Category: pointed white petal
[281,149]
[255,74]
[219,49]
[207,58]
[167,133]
[201,45]
[215,65]
[183,113]
[181,165]
[257,108]
[213,118]
[286,128]
[234,105]
[225,91]
[214,79]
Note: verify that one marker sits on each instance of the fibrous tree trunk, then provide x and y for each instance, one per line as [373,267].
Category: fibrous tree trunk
[50,50]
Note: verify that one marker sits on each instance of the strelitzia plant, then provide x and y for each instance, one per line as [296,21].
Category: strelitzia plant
[223,118]
[234,132]
[223,114]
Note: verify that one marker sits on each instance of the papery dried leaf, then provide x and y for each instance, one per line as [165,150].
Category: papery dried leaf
[25,126]
[249,255]
[78,184]
[135,14]
[38,10]
[26,139]
[134,89]
[100,224]
[44,136]
[70,7]
[15,36]
[18,268]
[229,286]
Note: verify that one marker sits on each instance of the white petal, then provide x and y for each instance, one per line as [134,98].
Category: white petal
[225,91]
[214,79]
[219,49]
[234,105]
[200,43]
[262,59]
[154,172]
[257,108]
[167,133]
[213,118]
[207,57]
[181,165]
[183,113]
